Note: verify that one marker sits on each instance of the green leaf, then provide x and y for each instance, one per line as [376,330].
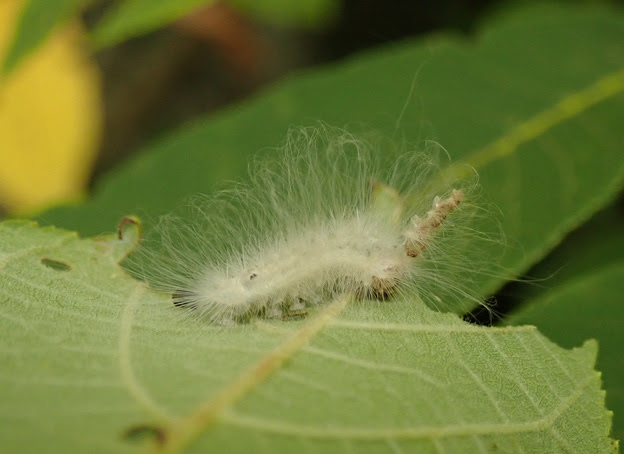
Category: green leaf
[541,124]
[92,361]
[597,244]
[136,17]
[586,302]
[37,19]
[580,296]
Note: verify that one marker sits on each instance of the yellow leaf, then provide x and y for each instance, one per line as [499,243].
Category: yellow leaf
[50,119]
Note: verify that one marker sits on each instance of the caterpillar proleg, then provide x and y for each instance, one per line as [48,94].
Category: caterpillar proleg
[327,214]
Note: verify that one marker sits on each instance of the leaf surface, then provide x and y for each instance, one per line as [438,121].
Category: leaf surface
[89,354]
[590,305]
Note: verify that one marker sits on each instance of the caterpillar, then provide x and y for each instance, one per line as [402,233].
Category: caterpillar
[327,214]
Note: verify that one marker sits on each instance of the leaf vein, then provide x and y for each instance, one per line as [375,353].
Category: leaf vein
[408,433]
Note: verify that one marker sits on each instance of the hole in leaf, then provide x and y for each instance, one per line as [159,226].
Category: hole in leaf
[143,431]
[55,264]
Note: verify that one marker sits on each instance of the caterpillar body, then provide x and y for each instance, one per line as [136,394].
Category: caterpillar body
[328,215]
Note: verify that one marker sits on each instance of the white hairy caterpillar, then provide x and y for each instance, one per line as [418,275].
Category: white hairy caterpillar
[329,215]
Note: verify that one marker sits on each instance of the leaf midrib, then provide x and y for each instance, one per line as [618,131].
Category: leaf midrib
[184,431]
